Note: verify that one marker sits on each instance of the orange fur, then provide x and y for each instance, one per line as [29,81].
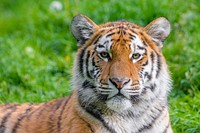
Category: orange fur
[43,118]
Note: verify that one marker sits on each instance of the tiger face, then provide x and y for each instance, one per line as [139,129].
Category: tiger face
[119,64]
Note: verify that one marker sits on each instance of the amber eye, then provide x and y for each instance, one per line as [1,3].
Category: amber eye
[104,55]
[136,56]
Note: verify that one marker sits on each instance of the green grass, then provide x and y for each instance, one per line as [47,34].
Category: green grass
[37,49]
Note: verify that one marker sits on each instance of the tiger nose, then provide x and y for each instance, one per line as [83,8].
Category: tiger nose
[119,82]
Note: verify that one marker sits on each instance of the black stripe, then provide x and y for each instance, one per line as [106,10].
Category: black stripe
[110,34]
[144,43]
[40,110]
[158,66]
[6,117]
[51,117]
[96,40]
[93,66]
[87,65]
[58,104]
[37,110]
[148,126]
[125,40]
[139,47]
[141,33]
[117,40]
[97,115]
[133,31]
[146,63]
[152,87]
[124,32]
[146,74]
[130,114]
[100,46]
[87,84]
[152,56]
[88,124]
[20,118]
[93,62]
[8,106]
[61,113]
[140,60]
[93,53]
[106,42]
[133,37]
[97,73]
[81,60]
[119,32]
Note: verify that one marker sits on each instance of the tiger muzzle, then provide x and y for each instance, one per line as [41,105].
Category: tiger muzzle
[119,82]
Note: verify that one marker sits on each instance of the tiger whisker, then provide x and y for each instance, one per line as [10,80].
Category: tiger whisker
[133,88]
[132,92]
[104,93]
[106,90]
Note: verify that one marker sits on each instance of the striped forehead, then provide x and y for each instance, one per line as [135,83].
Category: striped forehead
[106,41]
[137,44]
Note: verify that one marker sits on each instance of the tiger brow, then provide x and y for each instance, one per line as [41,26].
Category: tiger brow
[110,34]
[97,39]
[131,36]
[101,46]
[139,47]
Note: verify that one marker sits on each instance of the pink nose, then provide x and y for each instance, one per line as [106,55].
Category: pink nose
[119,82]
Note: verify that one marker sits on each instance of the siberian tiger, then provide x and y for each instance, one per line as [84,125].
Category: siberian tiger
[120,81]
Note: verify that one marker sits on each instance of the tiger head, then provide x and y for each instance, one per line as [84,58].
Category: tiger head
[119,64]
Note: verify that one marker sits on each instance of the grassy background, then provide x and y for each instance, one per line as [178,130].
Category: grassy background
[37,49]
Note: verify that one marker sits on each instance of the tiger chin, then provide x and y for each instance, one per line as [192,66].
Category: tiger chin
[120,84]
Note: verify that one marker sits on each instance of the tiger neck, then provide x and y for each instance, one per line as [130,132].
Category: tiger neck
[117,122]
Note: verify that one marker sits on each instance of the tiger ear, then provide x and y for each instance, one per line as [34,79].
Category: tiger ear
[159,30]
[82,28]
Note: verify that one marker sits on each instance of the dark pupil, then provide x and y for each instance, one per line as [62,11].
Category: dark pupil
[104,54]
[135,55]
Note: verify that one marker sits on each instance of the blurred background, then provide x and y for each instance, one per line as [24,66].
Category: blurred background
[37,49]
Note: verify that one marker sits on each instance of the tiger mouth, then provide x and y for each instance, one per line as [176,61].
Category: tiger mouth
[119,95]
[119,103]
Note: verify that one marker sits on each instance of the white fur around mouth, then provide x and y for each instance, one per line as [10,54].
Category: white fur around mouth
[118,103]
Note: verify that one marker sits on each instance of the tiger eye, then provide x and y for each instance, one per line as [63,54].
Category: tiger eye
[104,55]
[136,56]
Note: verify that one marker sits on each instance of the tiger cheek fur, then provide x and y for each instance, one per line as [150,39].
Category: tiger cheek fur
[120,84]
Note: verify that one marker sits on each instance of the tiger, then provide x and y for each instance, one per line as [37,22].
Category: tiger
[120,84]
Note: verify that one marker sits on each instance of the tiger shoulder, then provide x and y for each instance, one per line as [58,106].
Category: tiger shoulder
[120,84]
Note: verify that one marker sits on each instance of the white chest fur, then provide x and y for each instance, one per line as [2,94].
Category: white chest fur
[153,119]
